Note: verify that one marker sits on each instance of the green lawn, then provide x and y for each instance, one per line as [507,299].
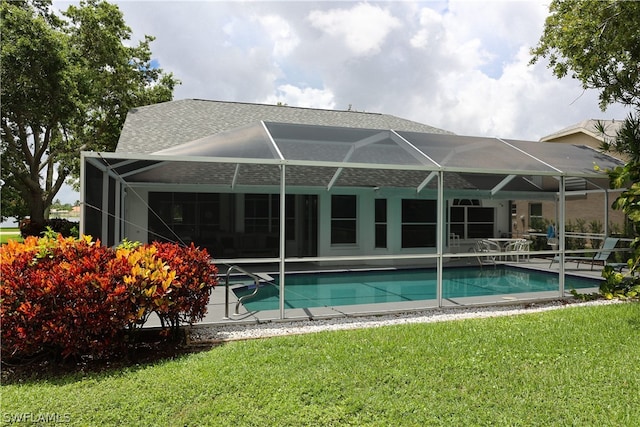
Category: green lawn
[12,233]
[576,366]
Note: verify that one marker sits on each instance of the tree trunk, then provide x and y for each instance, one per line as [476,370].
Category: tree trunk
[36,208]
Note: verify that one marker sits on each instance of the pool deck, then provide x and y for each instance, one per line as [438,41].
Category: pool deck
[216,307]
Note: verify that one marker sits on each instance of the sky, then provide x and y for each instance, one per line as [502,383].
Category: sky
[463,66]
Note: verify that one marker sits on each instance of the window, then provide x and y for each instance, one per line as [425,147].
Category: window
[381,223]
[480,222]
[419,221]
[262,214]
[471,221]
[466,202]
[535,216]
[343,219]
[186,217]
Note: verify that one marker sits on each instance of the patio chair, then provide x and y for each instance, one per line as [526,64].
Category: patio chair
[521,245]
[486,247]
[600,256]
[525,246]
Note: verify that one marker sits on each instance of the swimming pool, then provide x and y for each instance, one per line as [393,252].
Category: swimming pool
[320,289]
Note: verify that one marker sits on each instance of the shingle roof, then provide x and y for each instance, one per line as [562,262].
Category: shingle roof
[155,127]
[588,127]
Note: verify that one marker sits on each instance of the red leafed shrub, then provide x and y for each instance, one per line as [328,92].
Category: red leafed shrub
[76,297]
[195,278]
[172,281]
[61,295]
[149,281]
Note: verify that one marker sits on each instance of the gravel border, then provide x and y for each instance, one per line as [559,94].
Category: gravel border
[218,334]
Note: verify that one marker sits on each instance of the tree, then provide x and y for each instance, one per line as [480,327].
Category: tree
[599,43]
[67,84]
[627,141]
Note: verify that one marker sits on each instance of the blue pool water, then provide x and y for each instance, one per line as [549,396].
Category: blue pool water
[319,289]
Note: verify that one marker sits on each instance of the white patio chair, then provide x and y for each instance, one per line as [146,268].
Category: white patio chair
[513,250]
[483,247]
[600,256]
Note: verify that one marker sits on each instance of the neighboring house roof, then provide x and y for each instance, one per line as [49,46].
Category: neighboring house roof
[586,127]
[156,127]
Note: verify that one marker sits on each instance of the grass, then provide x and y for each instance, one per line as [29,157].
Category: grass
[577,366]
[9,233]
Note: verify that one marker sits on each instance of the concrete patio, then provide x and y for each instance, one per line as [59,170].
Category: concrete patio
[217,308]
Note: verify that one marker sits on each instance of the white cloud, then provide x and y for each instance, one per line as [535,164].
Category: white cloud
[458,65]
[281,33]
[302,97]
[431,29]
[363,27]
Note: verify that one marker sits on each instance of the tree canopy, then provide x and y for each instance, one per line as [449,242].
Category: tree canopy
[598,42]
[68,81]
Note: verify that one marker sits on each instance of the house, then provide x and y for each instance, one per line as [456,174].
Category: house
[350,184]
[165,125]
[276,188]
[584,206]
[586,132]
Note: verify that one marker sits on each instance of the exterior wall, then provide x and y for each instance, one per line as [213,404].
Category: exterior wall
[502,216]
[578,139]
[521,221]
[592,206]
[589,207]
[365,241]
[136,219]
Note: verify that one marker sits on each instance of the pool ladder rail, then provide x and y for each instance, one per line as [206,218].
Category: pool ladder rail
[256,277]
